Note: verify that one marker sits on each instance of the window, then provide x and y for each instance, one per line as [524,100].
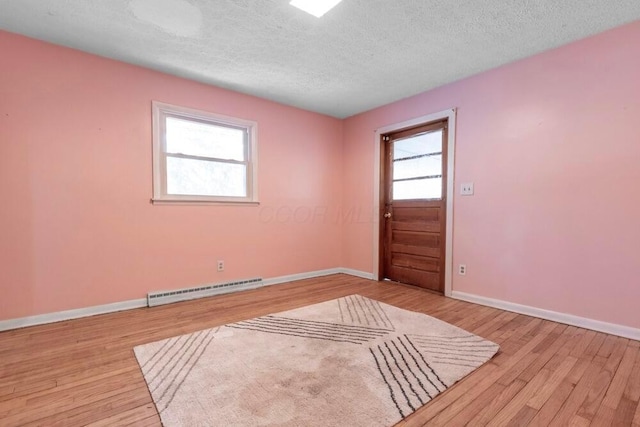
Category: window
[202,157]
[417,164]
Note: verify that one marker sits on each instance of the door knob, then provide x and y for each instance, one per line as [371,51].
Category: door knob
[387,215]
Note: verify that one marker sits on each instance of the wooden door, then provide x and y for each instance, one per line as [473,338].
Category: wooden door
[413,207]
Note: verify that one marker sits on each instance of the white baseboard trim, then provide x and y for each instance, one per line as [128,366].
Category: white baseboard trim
[42,319]
[59,316]
[568,319]
[300,276]
[314,274]
[357,273]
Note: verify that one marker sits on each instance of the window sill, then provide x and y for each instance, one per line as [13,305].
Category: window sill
[203,202]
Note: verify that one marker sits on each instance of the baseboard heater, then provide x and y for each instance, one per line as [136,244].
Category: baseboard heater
[167,297]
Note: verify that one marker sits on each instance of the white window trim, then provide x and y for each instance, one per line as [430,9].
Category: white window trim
[159,110]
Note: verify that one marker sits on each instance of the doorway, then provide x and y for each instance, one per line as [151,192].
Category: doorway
[415,180]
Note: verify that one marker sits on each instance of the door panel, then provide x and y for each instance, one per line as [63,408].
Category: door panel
[416,238]
[415,250]
[413,206]
[418,262]
[430,226]
[416,277]
[405,212]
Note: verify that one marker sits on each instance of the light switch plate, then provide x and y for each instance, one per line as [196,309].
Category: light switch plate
[466,189]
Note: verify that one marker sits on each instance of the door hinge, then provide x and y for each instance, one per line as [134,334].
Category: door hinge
[385,138]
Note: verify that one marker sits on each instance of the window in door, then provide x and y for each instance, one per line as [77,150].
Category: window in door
[417,167]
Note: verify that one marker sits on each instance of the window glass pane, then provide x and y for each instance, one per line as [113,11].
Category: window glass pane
[205,178]
[428,188]
[204,140]
[422,166]
[420,144]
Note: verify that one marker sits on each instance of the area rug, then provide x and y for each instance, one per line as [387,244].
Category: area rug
[351,361]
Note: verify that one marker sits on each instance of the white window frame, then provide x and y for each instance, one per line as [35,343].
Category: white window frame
[160,112]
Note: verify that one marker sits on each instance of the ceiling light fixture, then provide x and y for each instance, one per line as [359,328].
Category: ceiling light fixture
[316,8]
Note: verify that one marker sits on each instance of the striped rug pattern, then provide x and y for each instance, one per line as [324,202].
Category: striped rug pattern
[350,361]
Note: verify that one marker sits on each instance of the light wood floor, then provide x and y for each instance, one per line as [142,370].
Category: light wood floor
[83,372]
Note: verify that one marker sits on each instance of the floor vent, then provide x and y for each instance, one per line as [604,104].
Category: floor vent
[167,297]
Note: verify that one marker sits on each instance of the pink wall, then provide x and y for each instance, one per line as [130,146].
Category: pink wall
[552,144]
[75,174]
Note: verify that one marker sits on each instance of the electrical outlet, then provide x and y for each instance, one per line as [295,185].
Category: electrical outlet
[220,265]
[466,189]
[462,269]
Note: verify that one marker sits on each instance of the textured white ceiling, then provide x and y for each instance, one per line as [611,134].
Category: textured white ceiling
[360,55]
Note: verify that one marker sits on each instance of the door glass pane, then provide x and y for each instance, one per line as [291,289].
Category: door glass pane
[428,188]
[205,178]
[422,166]
[204,140]
[426,143]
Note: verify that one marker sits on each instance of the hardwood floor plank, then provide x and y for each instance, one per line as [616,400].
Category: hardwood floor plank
[145,415]
[497,403]
[632,390]
[86,414]
[594,346]
[603,417]
[551,407]
[576,397]
[603,381]
[557,400]
[518,402]
[535,361]
[544,393]
[621,377]
[523,417]
[578,421]
[480,402]
[83,372]
[622,415]
[636,418]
